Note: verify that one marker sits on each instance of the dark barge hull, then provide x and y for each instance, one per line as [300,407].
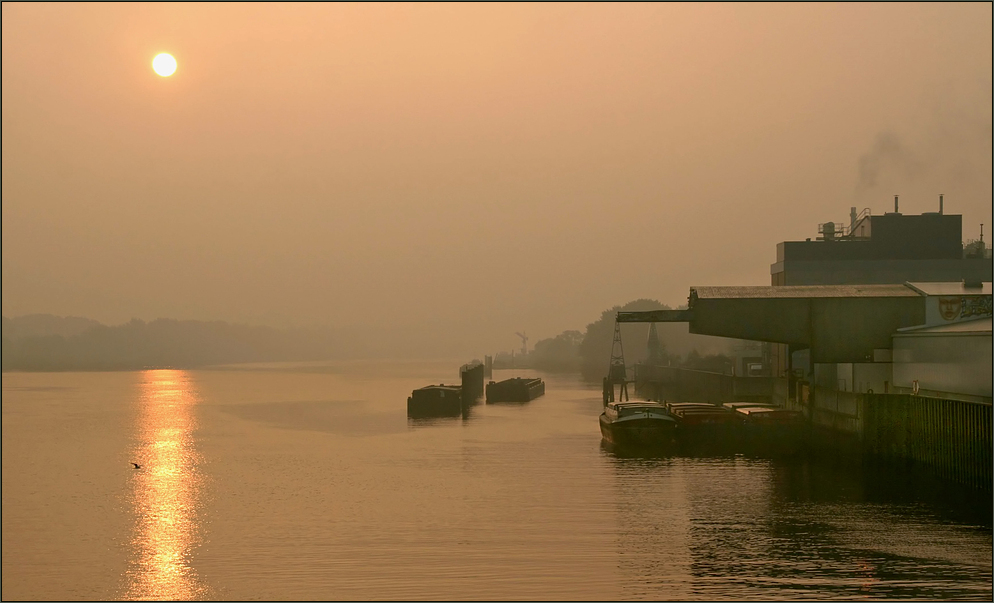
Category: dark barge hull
[515,390]
[435,401]
[639,432]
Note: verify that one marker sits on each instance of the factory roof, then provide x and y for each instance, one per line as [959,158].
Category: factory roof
[951,288]
[804,291]
[978,326]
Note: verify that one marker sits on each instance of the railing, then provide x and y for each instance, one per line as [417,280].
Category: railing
[837,230]
[841,229]
[863,214]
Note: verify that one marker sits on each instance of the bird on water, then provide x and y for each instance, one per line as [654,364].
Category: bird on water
[137,466]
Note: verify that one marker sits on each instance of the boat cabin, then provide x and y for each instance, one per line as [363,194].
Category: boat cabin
[620,410]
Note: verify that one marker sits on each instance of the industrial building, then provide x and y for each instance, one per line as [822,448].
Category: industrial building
[880,332]
[859,338]
[889,248]
[882,249]
[950,355]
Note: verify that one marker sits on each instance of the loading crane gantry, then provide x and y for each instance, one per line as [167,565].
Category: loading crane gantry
[617,373]
[524,343]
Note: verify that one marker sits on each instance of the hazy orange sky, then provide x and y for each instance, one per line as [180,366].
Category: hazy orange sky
[462,172]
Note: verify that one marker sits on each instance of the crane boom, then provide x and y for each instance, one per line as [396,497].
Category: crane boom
[656,316]
[524,343]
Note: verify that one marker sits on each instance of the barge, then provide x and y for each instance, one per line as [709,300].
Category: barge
[706,427]
[772,429]
[637,424]
[435,401]
[517,389]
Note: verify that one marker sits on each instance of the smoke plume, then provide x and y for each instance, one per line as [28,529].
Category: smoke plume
[888,154]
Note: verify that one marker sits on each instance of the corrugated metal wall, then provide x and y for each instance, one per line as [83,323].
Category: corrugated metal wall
[951,437]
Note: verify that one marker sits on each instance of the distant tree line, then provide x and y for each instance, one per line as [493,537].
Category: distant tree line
[559,354]
[54,344]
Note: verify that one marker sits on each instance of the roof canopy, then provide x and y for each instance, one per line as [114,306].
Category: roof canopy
[951,288]
[839,323]
[802,292]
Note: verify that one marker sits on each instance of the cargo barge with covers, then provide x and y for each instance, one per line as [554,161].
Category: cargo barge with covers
[435,401]
[637,424]
[517,389]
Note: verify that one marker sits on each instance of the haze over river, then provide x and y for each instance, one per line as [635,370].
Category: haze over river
[309,482]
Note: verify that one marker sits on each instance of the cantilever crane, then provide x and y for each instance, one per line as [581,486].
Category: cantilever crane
[616,371]
[524,343]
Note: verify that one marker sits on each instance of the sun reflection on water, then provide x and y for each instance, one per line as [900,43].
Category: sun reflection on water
[165,491]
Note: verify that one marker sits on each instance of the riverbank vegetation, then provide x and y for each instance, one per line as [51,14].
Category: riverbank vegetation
[42,342]
[53,343]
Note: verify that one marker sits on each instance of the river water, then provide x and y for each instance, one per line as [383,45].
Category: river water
[304,482]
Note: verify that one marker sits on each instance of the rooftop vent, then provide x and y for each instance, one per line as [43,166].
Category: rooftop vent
[830,230]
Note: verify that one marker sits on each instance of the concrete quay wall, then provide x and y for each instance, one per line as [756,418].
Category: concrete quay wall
[950,438]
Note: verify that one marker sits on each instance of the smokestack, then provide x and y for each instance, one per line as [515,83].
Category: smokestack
[852,218]
[940,205]
[895,204]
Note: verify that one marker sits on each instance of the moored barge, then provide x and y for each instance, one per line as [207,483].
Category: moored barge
[772,429]
[517,389]
[637,424]
[705,426]
[435,401]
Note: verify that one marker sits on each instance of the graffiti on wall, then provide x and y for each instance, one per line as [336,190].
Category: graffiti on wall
[976,306]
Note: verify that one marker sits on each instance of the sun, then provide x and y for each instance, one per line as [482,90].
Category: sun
[164,64]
